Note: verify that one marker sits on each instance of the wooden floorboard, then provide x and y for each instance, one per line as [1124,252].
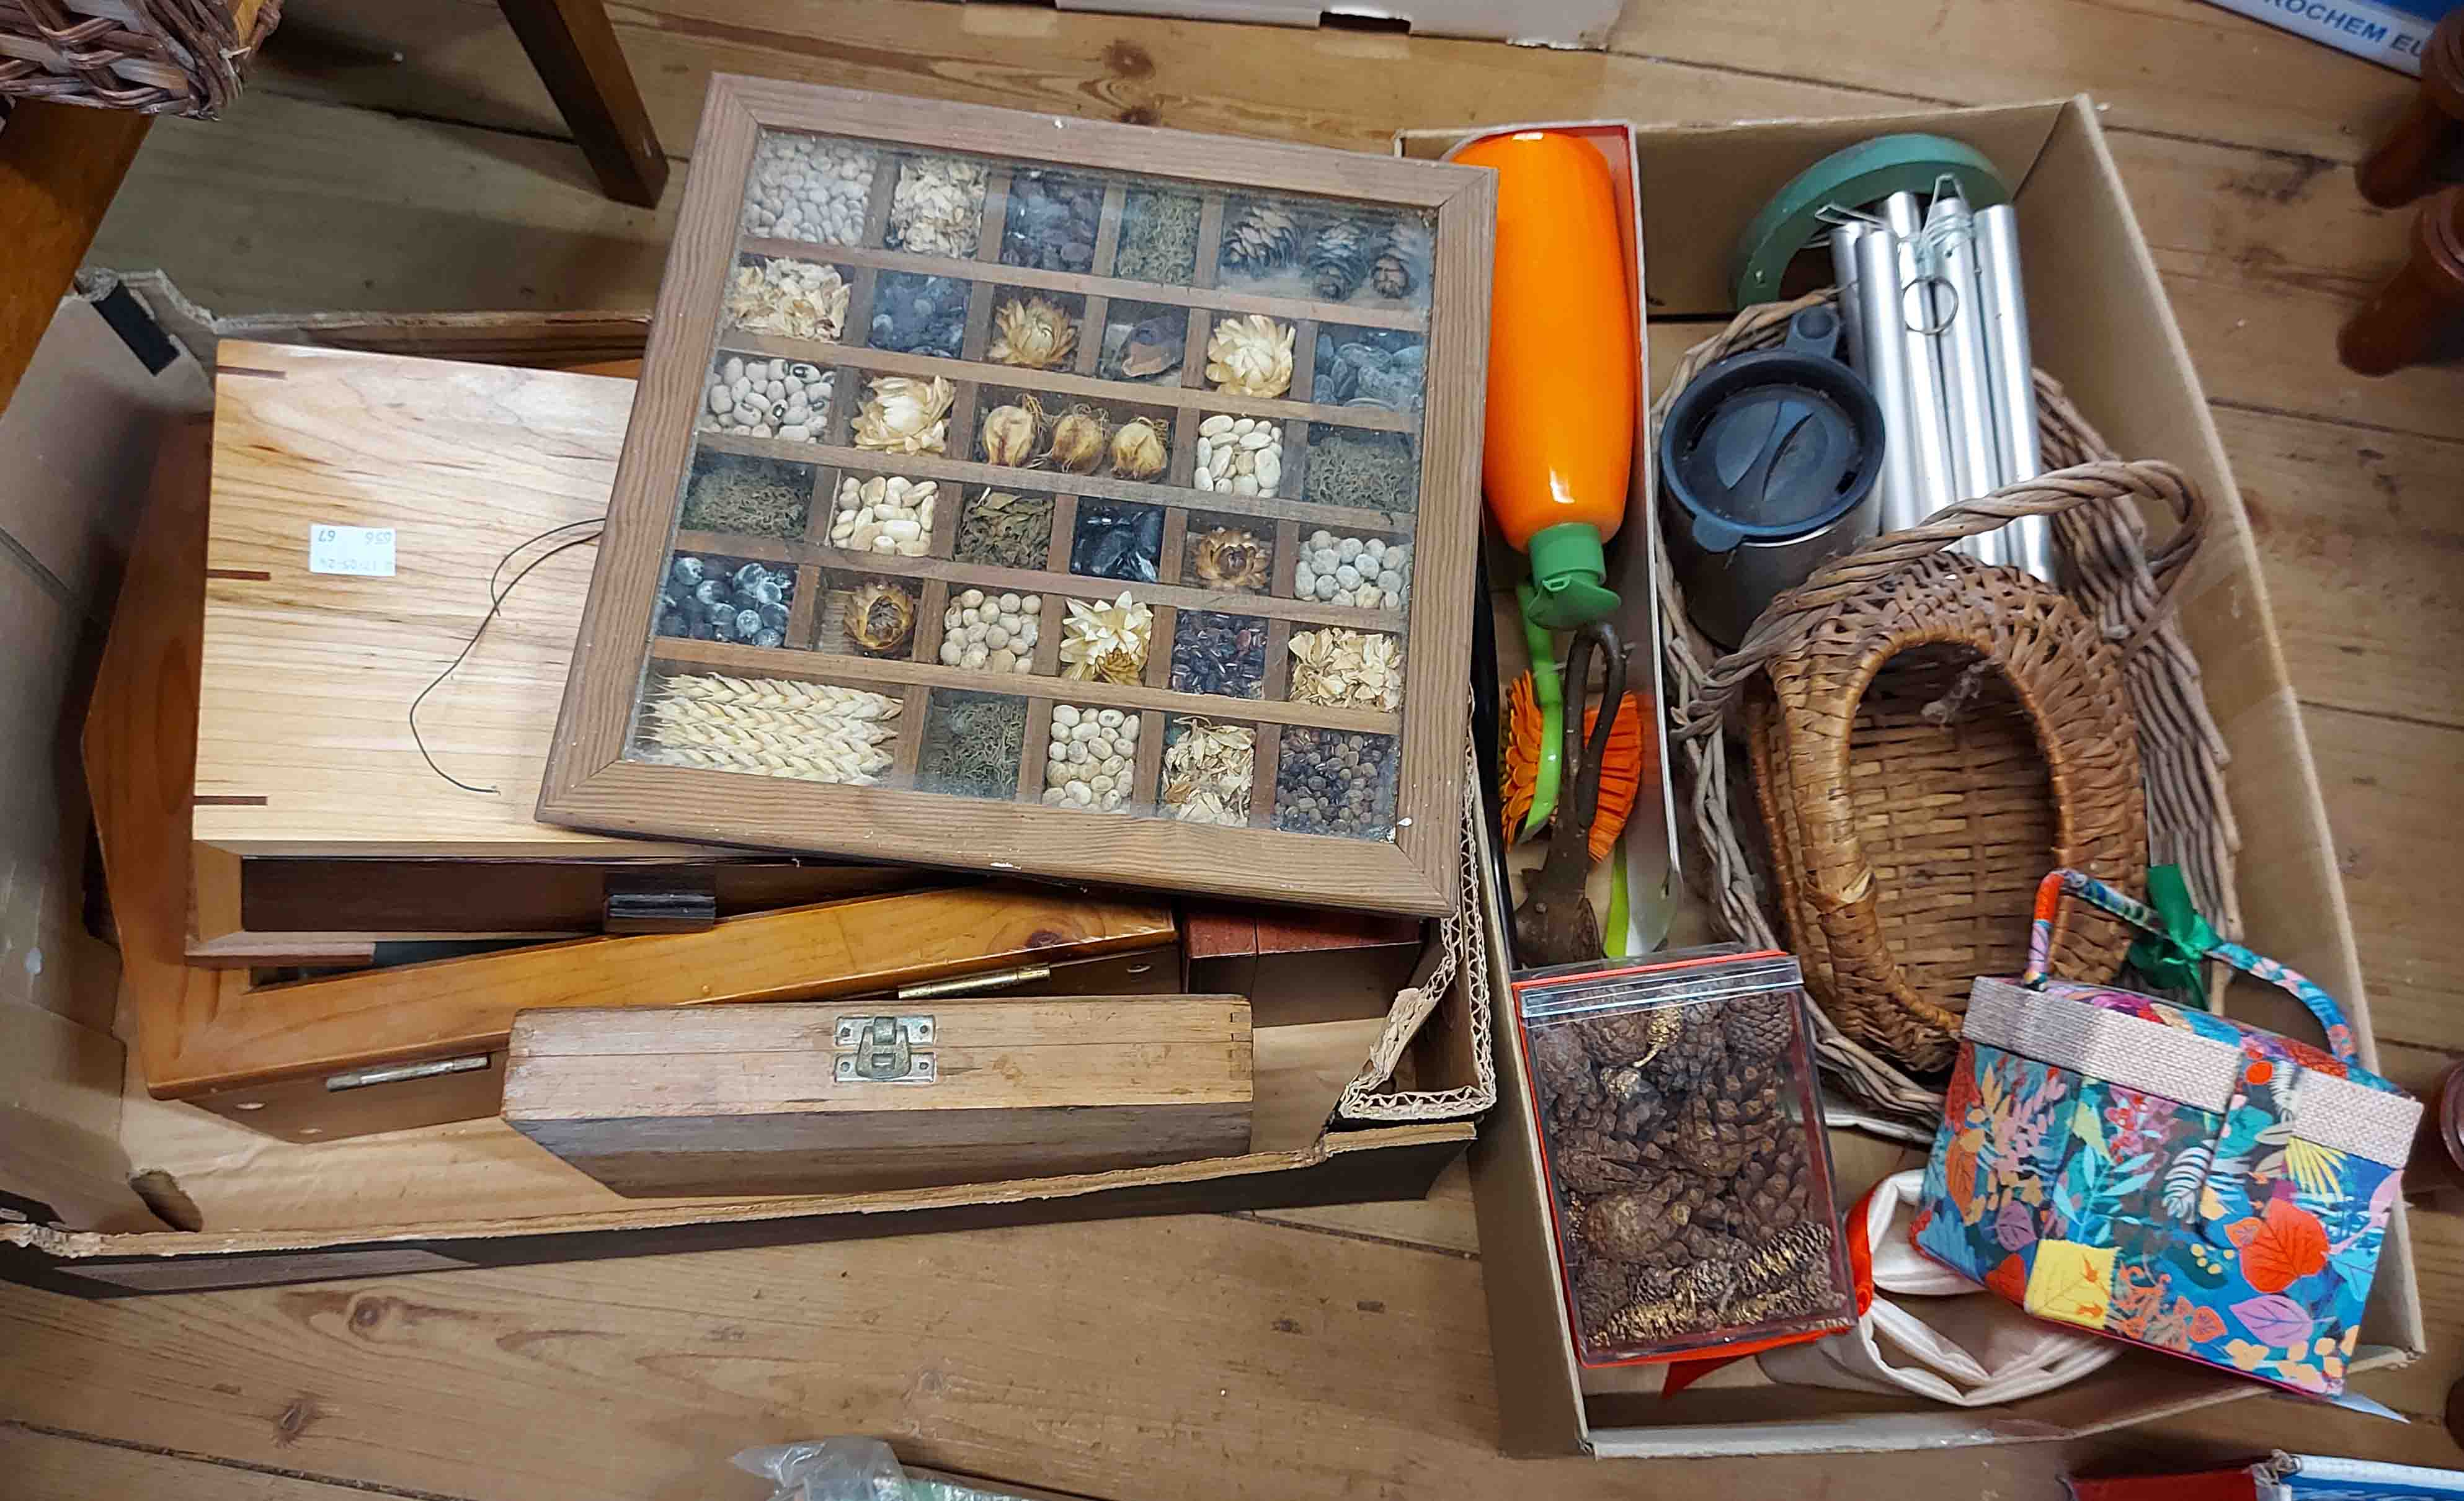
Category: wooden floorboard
[2178,67]
[1221,1357]
[399,154]
[61,1467]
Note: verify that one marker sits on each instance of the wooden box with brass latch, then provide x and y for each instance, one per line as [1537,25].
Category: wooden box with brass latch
[415,1044]
[808,1098]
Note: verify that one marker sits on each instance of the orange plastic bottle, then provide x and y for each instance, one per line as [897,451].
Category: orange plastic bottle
[1562,367]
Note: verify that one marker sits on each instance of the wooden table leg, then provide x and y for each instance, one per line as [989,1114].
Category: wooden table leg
[59,166]
[574,48]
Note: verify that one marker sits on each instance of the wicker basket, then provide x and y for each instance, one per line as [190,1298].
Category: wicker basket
[1922,755]
[154,56]
[1939,791]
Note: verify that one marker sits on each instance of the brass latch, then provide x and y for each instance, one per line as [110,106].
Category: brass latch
[884,1050]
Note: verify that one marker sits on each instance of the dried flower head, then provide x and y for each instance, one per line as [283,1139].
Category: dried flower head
[1251,356]
[1009,434]
[1231,558]
[1077,440]
[905,415]
[1034,331]
[1138,450]
[1106,640]
[881,616]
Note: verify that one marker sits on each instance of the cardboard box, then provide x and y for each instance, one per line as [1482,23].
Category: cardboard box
[1652,850]
[2101,325]
[1574,24]
[104,1191]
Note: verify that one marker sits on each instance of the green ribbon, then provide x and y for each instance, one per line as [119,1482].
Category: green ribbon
[2173,961]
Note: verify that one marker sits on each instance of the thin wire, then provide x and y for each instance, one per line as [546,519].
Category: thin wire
[496,602]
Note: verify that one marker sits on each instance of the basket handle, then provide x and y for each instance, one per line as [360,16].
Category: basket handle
[1786,622]
[2096,893]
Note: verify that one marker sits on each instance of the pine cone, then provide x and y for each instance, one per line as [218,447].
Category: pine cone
[1645,1227]
[1771,1190]
[1261,238]
[1390,274]
[1730,1121]
[1638,1102]
[1617,1039]
[1561,1071]
[1794,1259]
[1601,1287]
[1340,256]
[1592,1161]
[1698,1051]
[1761,1027]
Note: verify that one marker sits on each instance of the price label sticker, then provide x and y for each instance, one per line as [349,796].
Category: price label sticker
[365,551]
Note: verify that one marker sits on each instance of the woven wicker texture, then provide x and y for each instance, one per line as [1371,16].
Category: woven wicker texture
[153,57]
[1928,749]
[1988,748]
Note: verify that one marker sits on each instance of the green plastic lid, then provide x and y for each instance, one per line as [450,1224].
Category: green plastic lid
[1568,574]
[1851,178]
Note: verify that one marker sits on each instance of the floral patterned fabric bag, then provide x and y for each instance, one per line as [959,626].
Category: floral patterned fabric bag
[2163,1175]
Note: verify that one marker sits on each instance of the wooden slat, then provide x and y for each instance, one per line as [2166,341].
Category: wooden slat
[1039,740]
[1225,301]
[927,466]
[731,657]
[461,1005]
[60,1467]
[1262,784]
[1065,532]
[737,340]
[59,166]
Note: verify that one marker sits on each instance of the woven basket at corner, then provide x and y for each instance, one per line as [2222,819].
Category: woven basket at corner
[1929,736]
[153,57]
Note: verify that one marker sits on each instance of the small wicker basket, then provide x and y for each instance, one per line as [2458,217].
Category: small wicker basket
[153,57]
[1919,755]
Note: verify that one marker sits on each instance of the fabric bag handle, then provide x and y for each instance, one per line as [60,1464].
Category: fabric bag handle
[2096,893]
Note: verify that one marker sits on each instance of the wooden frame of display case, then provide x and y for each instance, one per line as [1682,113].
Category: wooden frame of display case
[590,783]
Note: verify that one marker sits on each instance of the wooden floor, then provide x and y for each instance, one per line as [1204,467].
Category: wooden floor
[1332,1352]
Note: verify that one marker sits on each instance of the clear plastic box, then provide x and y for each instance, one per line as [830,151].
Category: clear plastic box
[1690,1178]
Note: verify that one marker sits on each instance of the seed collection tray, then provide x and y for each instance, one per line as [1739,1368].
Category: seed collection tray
[1045,495]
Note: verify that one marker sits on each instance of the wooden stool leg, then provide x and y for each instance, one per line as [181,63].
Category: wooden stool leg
[574,49]
[2421,306]
[2405,163]
[59,166]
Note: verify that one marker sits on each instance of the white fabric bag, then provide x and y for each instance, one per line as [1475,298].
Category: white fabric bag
[1967,1348]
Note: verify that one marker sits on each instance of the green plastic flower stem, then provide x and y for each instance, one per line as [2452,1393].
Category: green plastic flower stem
[1551,693]
[1616,925]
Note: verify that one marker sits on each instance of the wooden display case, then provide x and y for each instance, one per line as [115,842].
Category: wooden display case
[816,625]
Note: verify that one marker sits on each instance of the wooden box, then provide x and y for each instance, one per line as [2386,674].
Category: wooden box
[871,607]
[812,1099]
[325,820]
[381,1048]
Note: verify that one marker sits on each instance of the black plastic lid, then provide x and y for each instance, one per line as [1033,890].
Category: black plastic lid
[1775,444]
